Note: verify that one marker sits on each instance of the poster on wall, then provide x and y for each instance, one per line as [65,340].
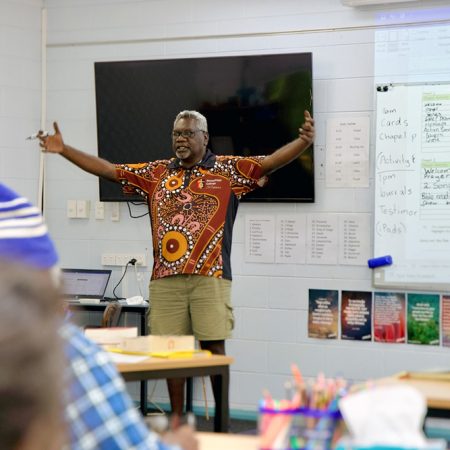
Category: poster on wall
[356,315]
[323,314]
[445,320]
[423,319]
[389,310]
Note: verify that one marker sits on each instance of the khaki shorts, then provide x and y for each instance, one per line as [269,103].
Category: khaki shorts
[191,304]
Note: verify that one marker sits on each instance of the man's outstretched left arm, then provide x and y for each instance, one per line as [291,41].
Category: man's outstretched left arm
[291,151]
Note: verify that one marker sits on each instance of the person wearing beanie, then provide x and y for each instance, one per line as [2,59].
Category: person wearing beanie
[23,233]
[98,409]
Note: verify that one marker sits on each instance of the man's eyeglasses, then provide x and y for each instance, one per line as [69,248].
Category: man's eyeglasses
[184,133]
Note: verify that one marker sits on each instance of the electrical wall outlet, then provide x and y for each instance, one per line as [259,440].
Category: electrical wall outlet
[71,209]
[108,259]
[121,259]
[99,210]
[140,258]
[115,211]
[83,209]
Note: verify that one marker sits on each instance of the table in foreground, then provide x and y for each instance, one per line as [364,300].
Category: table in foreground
[220,441]
[197,365]
[435,389]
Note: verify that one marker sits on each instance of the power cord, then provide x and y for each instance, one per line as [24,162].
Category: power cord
[138,281]
[160,411]
[131,214]
[132,261]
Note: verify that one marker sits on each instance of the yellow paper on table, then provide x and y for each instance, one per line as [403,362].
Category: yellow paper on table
[182,354]
[160,347]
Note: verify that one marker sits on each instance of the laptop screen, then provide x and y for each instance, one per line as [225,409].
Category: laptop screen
[85,283]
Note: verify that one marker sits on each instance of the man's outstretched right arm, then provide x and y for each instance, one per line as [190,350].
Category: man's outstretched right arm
[54,143]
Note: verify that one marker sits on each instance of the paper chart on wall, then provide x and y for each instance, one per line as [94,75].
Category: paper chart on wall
[259,239]
[347,152]
[271,239]
[290,239]
[322,240]
[354,239]
[317,238]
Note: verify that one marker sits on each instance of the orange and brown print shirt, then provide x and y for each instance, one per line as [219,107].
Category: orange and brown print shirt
[192,211]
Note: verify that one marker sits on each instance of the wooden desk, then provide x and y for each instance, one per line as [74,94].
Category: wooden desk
[157,368]
[140,310]
[220,441]
[436,391]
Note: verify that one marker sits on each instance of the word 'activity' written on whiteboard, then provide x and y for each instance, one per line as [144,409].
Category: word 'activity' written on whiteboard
[412,186]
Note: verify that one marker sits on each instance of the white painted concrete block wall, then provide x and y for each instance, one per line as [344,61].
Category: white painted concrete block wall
[270,300]
[20,93]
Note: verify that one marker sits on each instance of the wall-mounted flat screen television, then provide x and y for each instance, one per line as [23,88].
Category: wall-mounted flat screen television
[253,104]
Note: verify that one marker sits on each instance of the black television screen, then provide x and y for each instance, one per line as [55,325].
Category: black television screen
[253,104]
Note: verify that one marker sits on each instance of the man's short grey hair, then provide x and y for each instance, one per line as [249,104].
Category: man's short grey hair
[202,123]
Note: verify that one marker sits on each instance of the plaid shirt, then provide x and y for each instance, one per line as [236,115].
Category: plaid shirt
[100,412]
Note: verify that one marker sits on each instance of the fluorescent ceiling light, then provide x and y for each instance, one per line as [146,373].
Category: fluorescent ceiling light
[372,2]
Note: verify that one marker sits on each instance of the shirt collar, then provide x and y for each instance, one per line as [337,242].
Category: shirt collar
[207,161]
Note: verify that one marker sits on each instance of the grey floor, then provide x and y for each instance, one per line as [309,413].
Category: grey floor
[159,422]
[236,425]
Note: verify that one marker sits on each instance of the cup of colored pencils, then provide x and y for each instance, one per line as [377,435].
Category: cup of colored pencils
[309,418]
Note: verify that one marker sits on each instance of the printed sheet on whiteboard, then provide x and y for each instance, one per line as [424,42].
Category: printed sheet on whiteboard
[412,186]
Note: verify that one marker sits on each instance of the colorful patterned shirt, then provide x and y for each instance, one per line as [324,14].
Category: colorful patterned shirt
[100,413]
[192,211]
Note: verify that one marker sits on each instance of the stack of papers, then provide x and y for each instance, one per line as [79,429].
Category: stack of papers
[112,336]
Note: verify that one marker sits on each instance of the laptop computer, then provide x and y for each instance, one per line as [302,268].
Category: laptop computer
[85,285]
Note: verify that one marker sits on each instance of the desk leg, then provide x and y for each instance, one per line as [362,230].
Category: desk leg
[144,398]
[222,414]
[189,391]
[143,324]
[143,332]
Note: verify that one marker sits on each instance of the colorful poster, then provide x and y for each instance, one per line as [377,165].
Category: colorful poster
[356,315]
[445,317]
[323,314]
[423,319]
[389,317]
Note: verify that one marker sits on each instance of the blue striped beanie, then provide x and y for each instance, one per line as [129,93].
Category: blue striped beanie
[23,234]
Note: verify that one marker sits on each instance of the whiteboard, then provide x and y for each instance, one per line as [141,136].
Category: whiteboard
[412,187]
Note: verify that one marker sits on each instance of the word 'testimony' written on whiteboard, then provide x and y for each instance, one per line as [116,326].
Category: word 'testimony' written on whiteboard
[412,186]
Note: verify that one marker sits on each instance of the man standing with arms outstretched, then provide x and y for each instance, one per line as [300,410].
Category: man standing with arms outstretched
[193,200]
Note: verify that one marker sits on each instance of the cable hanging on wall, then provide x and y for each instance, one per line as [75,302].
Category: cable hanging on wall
[132,262]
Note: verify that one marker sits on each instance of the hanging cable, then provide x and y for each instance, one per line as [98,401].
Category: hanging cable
[138,280]
[132,262]
[131,214]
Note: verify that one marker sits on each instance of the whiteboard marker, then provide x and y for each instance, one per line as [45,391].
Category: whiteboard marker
[36,135]
[380,261]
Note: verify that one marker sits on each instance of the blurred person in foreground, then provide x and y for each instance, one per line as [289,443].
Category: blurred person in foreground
[98,409]
[32,361]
